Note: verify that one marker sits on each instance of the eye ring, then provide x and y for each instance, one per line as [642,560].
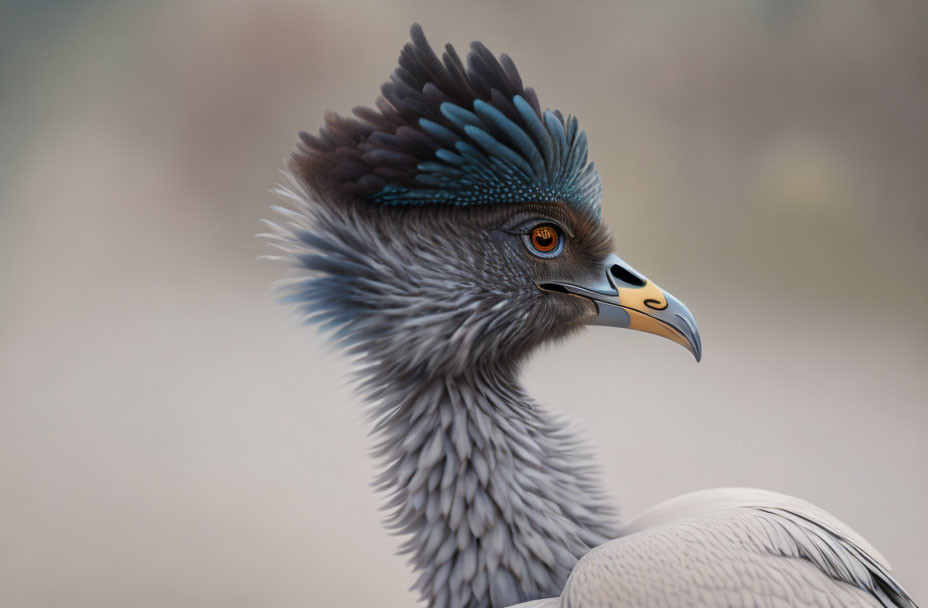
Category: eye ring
[544,240]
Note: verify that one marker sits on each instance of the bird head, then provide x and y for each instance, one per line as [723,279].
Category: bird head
[458,225]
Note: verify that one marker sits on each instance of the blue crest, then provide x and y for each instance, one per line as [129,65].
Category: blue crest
[538,161]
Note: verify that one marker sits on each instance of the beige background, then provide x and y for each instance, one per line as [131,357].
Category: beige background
[169,436]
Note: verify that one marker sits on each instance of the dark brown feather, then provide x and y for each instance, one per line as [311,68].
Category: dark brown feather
[356,157]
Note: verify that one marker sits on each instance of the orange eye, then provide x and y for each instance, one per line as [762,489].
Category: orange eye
[544,238]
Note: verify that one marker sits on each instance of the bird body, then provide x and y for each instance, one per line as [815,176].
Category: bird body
[441,238]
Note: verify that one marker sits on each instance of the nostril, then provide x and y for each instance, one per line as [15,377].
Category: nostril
[626,276]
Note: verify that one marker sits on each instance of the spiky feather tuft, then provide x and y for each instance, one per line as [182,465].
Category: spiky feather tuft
[452,134]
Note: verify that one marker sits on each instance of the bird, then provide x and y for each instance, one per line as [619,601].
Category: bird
[439,239]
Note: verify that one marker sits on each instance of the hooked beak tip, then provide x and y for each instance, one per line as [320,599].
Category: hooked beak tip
[693,341]
[697,352]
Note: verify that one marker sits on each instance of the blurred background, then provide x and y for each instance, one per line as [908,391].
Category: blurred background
[169,435]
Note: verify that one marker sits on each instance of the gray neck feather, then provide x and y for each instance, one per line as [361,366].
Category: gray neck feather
[498,496]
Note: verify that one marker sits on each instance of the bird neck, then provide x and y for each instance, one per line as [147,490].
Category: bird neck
[498,498]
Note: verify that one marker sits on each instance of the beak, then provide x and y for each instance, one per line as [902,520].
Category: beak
[625,298]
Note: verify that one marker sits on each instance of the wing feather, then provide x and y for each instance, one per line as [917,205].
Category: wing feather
[734,547]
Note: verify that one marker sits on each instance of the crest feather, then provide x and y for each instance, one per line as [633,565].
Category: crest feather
[446,133]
